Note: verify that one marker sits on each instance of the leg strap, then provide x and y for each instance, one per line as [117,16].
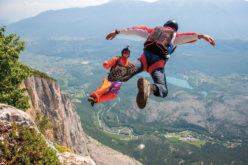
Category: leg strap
[156,65]
[144,61]
[151,68]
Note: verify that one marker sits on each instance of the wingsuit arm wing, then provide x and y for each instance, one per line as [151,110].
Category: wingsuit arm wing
[141,31]
[110,63]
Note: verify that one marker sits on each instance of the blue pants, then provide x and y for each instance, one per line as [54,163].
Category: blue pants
[153,64]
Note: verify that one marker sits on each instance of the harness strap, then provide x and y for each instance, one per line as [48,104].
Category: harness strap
[156,65]
[144,61]
[117,63]
[150,69]
[114,89]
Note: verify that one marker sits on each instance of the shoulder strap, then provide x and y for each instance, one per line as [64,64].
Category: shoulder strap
[114,66]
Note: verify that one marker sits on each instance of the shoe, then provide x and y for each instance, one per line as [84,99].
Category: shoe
[145,91]
[122,73]
[91,100]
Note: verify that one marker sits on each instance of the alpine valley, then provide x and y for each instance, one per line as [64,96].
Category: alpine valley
[202,122]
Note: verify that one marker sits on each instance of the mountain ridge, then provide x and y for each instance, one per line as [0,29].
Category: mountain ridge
[96,21]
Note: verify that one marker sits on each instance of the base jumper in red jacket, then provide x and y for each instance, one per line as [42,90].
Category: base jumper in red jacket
[153,61]
[109,90]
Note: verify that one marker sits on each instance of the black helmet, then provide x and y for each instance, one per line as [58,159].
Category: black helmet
[125,49]
[173,24]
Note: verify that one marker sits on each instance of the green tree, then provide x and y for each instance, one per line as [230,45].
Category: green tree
[12,73]
[23,145]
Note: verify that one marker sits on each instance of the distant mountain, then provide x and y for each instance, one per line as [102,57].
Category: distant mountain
[222,19]
[4,22]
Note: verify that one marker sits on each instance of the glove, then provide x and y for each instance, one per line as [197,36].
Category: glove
[105,65]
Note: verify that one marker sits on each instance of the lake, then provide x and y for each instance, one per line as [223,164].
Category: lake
[172,79]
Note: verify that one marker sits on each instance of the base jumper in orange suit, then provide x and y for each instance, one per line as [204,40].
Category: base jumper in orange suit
[109,90]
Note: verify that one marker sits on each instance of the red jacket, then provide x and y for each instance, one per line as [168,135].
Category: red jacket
[124,61]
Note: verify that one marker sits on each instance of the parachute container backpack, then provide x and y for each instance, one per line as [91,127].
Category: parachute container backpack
[159,41]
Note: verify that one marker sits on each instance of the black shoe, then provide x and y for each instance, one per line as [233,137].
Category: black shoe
[145,91]
[91,100]
[122,73]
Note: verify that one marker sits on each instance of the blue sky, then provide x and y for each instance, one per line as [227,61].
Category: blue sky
[14,10]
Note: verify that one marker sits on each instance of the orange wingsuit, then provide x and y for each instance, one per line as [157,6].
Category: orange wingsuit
[109,90]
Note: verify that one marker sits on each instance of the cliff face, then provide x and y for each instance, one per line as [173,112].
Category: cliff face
[48,100]
[9,114]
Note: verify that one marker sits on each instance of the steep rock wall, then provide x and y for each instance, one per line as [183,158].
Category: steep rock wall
[47,99]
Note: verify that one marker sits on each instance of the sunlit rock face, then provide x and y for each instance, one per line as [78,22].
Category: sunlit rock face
[47,99]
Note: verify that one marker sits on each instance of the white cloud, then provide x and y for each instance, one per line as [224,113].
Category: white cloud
[15,10]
